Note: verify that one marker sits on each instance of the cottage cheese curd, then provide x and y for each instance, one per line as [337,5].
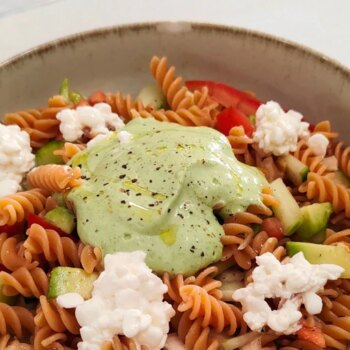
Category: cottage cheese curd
[318,143]
[16,158]
[278,131]
[99,119]
[296,282]
[127,299]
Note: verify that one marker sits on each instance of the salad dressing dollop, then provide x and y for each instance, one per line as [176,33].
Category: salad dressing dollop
[156,193]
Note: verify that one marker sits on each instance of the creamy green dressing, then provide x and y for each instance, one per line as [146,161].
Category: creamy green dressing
[156,193]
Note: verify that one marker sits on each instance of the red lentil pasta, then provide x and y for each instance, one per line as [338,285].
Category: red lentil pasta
[31,245]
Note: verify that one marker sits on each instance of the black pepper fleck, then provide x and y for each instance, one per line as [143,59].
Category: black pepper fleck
[123,202]
[124,166]
[122,176]
[134,180]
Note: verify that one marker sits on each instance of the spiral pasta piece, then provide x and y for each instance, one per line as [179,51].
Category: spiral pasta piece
[239,140]
[15,320]
[194,335]
[7,344]
[45,338]
[90,257]
[215,313]
[173,88]
[26,282]
[203,279]
[12,254]
[342,154]
[69,150]
[323,189]
[16,207]
[62,250]
[24,119]
[54,178]
[40,124]
[238,234]
[54,247]
[122,343]
[325,129]
[305,154]
[58,318]
[193,116]
[124,104]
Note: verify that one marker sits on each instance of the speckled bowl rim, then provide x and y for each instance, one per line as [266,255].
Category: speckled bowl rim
[124,29]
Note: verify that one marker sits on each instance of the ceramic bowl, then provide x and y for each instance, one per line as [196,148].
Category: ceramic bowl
[118,58]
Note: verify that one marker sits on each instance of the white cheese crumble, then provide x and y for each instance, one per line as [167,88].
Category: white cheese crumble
[127,298]
[277,132]
[16,158]
[70,300]
[318,144]
[99,119]
[295,281]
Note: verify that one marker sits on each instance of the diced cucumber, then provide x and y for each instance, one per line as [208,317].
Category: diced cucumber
[231,280]
[341,179]
[153,95]
[71,280]
[62,218]
[314,219]
[45,155]
[323,254]
[59,199]
[296,171]
[288,211]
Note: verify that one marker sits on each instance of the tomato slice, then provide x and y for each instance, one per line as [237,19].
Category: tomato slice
[227,95]
[273,227]
[97,97]
[35,219]
[313,335]
[12,229]
[231,117]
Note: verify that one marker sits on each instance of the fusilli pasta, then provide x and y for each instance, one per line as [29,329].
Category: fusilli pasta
[16,207]
[54,178]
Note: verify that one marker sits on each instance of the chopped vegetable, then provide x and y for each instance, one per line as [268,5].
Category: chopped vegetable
[231,117]
[288,211]
[64,89]
[35,219]
[61,218]
[273,227]
[97,97]
[12,229]
[75,97]
[313,335]
[45,154]
[227,95]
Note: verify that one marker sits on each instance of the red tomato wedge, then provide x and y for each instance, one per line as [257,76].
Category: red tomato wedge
[12,229]
[35,219]
[273,227]
[97,97]
[231,117]
[313,335]
[227,95]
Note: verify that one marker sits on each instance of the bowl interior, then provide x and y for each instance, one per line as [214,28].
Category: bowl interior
[118,59]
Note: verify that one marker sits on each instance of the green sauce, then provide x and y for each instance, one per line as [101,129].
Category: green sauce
[156,193]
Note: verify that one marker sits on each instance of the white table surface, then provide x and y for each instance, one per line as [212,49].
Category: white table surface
[323,25]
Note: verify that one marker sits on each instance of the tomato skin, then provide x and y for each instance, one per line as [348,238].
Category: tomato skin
[231,117]
[273,227]
[12,230]
[227,95]
[35,219]
[97,97]
[313,335]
